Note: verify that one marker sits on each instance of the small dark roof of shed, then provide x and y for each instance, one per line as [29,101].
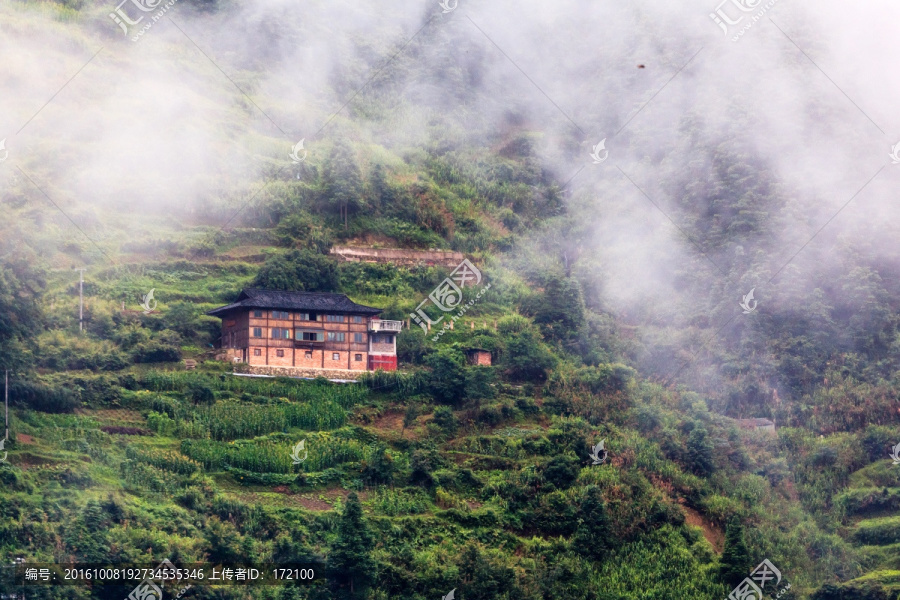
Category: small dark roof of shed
[311,301]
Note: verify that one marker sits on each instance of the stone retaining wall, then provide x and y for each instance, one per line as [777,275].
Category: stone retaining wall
[399,256]
[301,372]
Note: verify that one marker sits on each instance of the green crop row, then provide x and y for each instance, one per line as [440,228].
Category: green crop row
[163,459]
[234,420]
[320,452]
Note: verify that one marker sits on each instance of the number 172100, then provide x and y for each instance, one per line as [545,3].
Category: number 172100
[294,573]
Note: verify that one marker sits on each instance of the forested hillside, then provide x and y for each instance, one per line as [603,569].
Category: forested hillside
[669,252]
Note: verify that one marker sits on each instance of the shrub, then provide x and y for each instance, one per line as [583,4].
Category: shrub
[446,420]
[299,270]
[411,346]
[447,379]
[379,467]
[480,383]
[561,471]
[526,357]
[878,532]
[40,396]
[201,393]
[155,352]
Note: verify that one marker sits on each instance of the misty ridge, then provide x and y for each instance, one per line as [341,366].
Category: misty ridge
[785,127]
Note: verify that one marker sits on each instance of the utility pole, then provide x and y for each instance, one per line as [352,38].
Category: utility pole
[81,299]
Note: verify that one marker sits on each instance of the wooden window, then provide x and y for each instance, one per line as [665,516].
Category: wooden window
[279,353]
[334,336]
[357,319]
[358,338]
[257,332]
[280,314]
[335,318]
[307,355]
[306,335]
[335,356]
[357,357]
[257,352]
[308,316]
[281,333]
[257,313]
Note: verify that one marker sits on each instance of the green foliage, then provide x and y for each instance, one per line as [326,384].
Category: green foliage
[169,461]
[155,352]
[594,537]
[878,532]
[851,592]
[445,420]
[21,317]
[274,456]
[447,381]
[480,383]
[351,568]
[700,452]
[560,310]
[233,420]
[393,503]
[526,357]
[404,384]
[341,182]
[300,230]
[410,416]
[411,346]
[561,471]
[485,577]
[865,500]
[379,467]
[41,396]
[201,394]
[299,270]
[735,563]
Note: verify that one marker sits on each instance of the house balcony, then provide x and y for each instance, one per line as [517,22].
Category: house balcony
[309,344]
[380,325]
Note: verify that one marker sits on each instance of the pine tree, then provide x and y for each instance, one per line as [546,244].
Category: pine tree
[409,419]
[351,568]
[700,452]
[342,182]
[593,537]
[735,563]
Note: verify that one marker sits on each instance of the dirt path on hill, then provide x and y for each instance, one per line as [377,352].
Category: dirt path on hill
[712,534]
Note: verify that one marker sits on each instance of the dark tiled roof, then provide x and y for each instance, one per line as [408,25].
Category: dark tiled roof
[312,301]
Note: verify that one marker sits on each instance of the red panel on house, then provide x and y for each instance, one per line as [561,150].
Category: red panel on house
[386,363]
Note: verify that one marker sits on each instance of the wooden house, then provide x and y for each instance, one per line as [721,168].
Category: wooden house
[306,330]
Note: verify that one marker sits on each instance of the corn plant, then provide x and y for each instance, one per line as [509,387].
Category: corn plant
[212,455]
[392,503]
[267,457]
[163,459]
[298,391]
[325,452]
